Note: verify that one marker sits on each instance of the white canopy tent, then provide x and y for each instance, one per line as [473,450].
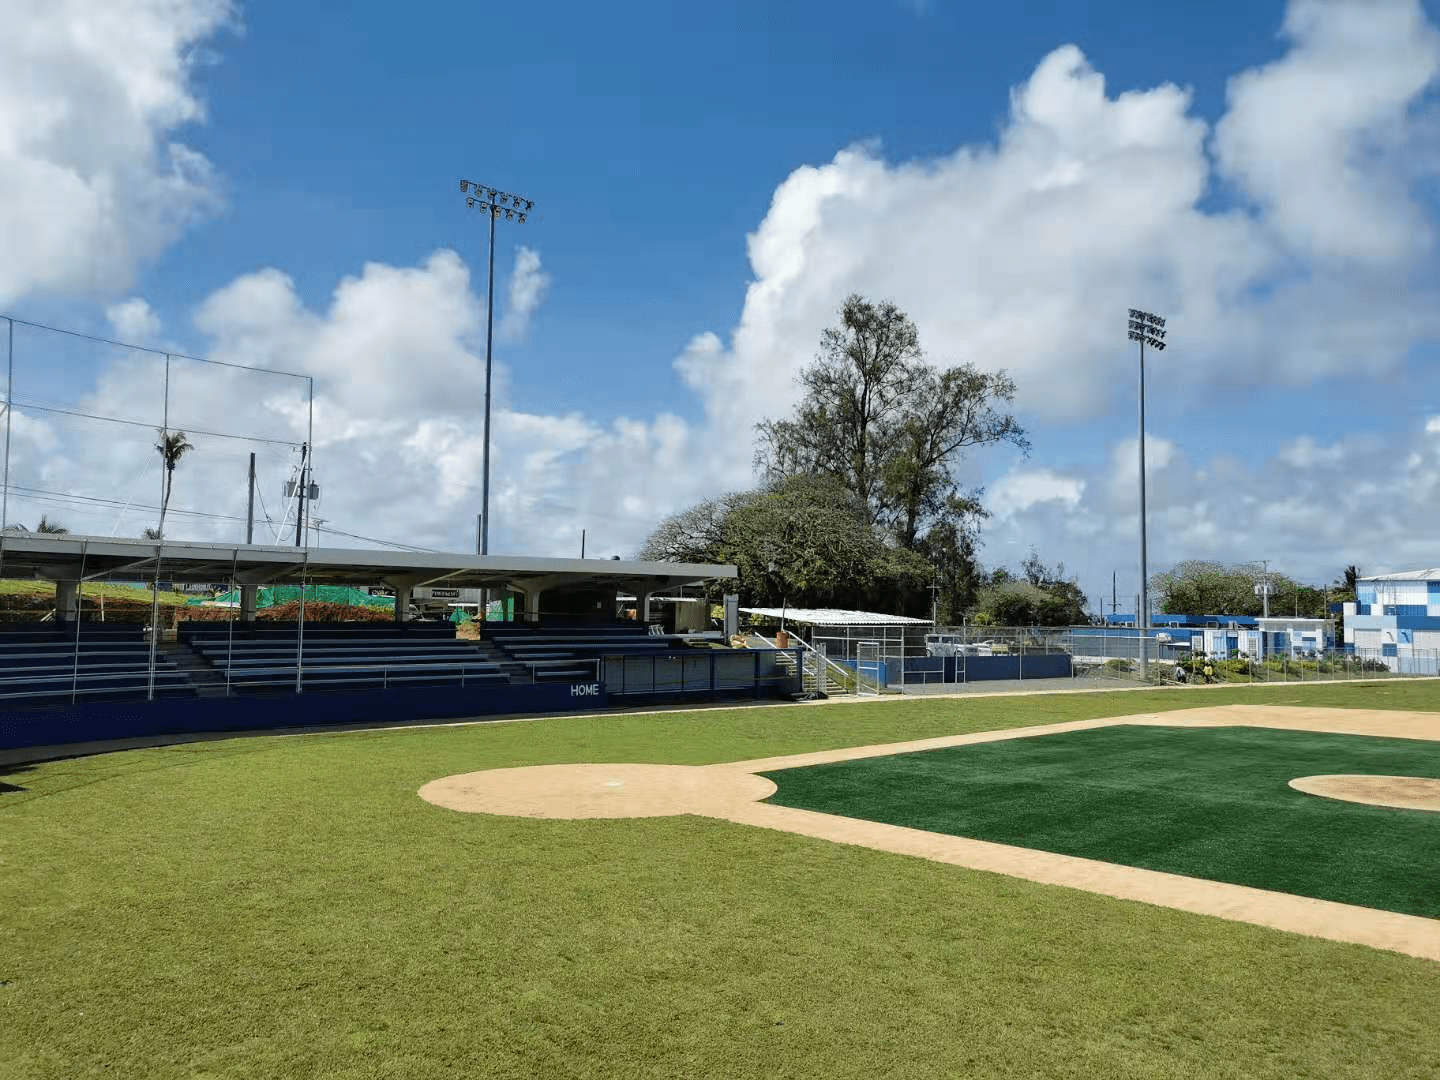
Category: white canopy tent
[834,617]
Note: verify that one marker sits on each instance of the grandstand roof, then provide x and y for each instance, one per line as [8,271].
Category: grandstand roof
[1430,574]
[89,558]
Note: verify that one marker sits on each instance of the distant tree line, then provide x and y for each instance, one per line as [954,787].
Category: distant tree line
[1197,587]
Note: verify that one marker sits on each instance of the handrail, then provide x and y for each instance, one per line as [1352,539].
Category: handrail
[842,674]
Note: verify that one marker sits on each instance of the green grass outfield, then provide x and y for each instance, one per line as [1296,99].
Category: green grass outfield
[1210,802]
[288,907]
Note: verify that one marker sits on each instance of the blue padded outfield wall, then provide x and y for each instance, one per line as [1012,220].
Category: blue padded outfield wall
[100,720]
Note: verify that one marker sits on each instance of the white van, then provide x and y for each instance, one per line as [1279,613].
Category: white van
[954,645]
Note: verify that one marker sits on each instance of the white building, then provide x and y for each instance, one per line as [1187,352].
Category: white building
[1396,618]
[1259,637]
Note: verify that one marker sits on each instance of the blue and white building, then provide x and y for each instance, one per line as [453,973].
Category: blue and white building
[1227,636]
[1396,618]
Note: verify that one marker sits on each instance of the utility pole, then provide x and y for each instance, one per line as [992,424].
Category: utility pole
[1148,329]
[250,512]
[582,543]
[300,491]
[492,203]
[1264,589]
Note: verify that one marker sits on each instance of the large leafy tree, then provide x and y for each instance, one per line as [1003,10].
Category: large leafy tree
[1039,596]
[860,507]
[949,547]
[802,540]
[887,425]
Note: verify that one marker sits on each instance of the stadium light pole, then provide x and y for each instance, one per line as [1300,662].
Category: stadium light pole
[1147,329]
[492,203]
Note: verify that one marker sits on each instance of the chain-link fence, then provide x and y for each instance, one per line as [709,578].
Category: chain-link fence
[920,659]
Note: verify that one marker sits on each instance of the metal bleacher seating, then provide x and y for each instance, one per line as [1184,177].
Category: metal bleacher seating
[275,657]
[56,663]
[557,653]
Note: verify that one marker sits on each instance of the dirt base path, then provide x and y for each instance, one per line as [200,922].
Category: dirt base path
[1403,792]
[732,792]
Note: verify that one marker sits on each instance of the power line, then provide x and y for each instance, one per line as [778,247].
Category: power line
[377,540]
[145,424]
[71,499]
[146,349]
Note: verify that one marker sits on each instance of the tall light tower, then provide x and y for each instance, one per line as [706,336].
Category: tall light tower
[515,208]
[1147,329]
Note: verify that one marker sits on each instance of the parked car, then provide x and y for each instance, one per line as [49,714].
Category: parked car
[955,645]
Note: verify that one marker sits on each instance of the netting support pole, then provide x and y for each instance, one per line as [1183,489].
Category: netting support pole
[310,442]
[164,435]
[300,635]
[9,411]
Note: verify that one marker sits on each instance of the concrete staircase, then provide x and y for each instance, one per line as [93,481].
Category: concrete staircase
[489,654]
[208,682]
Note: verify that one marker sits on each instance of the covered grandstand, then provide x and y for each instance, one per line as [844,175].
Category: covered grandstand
[73,679]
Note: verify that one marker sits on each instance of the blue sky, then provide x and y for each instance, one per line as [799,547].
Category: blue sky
[1280,187]
[651,136]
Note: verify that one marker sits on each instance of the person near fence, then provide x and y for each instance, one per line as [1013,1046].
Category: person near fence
[1209,671]
[1180,673]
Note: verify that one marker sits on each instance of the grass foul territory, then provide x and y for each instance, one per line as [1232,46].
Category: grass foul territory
[285,907]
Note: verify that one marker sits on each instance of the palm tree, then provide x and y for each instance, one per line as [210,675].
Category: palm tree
[1346,583]
[172,446]
[54,528]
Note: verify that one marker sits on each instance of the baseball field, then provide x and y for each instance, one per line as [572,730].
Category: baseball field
[807,904]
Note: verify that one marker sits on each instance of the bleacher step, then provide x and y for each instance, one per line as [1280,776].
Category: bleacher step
[208,682]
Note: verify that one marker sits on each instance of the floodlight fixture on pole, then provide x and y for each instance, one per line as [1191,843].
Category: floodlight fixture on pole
[1148,329]
[492,202]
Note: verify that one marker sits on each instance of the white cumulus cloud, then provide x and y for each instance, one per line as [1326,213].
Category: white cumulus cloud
[133,321]
[1022,489]
[1313,137]
[92,178]
[527,289]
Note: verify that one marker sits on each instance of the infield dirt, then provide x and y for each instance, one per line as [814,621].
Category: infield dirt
[733,792]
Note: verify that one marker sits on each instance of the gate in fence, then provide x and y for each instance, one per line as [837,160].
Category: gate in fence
[869,667]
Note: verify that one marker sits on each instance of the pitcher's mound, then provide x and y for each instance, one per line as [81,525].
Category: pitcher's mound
[599,791]
[1401,792]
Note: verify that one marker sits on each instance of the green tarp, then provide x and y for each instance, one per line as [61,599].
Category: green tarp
[270,596]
